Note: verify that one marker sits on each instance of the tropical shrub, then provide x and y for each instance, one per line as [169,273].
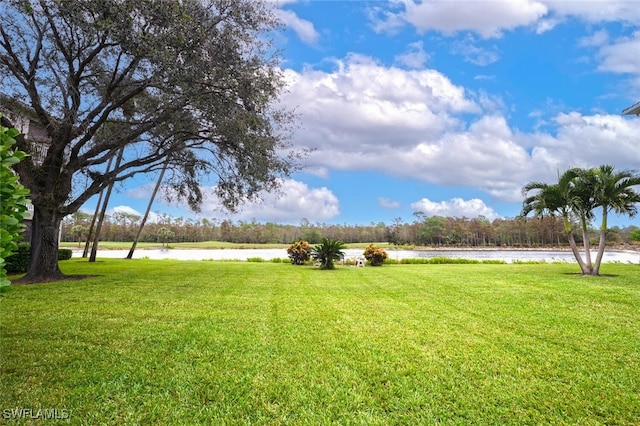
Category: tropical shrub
[375,255]
[299,252]
[65,254]
[327,252]
[13,199]
[18,262]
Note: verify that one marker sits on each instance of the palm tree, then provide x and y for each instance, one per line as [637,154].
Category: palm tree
[327,252]
[577,194]
[614,191]
[556,199]
[582,203]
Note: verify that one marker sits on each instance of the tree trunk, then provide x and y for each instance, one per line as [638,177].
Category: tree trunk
[587,247]
[146,213]
[85,253]
[96,239]
[602,244]
[43,266]
[574,248]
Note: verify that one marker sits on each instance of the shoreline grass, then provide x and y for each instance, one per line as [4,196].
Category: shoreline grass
[190,342]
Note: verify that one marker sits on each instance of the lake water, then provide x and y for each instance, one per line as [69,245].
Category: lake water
[268,254]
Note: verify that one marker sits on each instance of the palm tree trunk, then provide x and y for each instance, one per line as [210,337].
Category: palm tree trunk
[146,213]
[574,247]
[602,244]
[587,245]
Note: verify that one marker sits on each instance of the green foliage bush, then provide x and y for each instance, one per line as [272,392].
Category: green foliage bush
[65,254]
[375,255]
[299,252]
[255,259]
[18,262]
[13,200]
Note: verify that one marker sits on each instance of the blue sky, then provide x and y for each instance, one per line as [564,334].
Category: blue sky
[443,107]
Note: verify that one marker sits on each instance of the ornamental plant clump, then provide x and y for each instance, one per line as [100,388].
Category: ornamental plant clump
[299,252]
[327,252]
[13,200]
[375,255]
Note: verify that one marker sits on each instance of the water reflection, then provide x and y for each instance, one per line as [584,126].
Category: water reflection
[268,254]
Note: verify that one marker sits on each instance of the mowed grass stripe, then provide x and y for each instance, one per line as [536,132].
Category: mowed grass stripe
[191,342]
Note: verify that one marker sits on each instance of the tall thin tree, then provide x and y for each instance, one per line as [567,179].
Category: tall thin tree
[103,211]
[146,213]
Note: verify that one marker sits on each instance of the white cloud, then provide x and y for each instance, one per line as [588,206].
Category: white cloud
[362,106]
[490,19]
[415,57]
[303,28]
[486,18]
[293,201]
[596,11]
[621,56]
[589,140]
[455,207]
[152,218]
[388,203]
[363,116]
[599,38]
[124,209]
[486,156]
[384,20]
[473,54]
[573,118]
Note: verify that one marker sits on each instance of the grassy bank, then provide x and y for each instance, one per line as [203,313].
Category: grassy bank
[176,342]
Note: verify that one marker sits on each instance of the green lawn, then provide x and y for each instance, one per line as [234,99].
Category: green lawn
[176,342]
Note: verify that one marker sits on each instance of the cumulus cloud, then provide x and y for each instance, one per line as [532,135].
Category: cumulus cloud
[486,155]
[455,207]
[621,56]
[293,201]
[491,19]
[488,19]
[415,57]
[596,11]
[303,28]
[362,106]
[589,140]
[416,124]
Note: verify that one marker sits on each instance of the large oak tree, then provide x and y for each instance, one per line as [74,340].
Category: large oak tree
[194,82]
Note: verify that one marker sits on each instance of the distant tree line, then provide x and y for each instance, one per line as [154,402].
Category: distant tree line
[435,231]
